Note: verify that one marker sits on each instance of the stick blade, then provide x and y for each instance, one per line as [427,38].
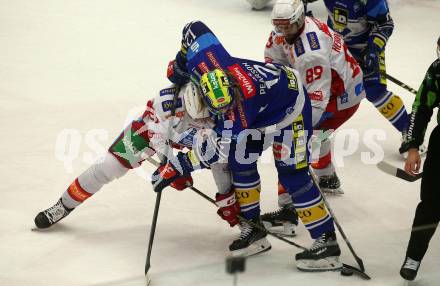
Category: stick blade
[148,280]
[397,172]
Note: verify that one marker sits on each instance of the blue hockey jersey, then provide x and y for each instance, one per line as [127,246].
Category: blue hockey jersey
[363,23]
[272,96]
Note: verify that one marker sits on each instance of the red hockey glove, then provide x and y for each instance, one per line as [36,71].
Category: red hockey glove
[168,173]
[229,207]
[182,183]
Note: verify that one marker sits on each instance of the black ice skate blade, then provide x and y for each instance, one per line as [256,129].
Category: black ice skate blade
[346,269]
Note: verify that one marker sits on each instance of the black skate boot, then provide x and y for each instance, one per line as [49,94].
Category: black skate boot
[409,269]
[52,215]
[330,184]
[252,239]
[282,221]
[323,255]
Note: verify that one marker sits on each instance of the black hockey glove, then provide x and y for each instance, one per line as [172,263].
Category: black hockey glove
[370,62]
[177,72]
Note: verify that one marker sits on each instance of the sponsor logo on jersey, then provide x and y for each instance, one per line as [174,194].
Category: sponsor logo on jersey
[167,171]
[299,47]
[313,41]
[292,81]
[316,95]
[337,43]
[213,59]
[242,115]
[340,19]
[203,67]
[247,86]
[167,105]
[167,91]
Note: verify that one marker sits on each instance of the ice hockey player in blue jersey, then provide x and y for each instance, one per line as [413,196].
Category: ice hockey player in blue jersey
[256,106]
[366,26]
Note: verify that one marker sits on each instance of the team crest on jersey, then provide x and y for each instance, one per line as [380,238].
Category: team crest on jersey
[313,41]
[299,47]
[340,18]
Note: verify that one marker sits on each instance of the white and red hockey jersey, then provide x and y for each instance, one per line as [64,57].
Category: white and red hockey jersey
[157,118]
[326,66]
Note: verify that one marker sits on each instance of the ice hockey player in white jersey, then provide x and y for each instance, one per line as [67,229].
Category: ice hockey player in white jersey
[333,80]
[143,137]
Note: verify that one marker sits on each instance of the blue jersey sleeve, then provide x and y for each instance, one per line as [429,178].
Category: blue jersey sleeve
[202,49]
[378,15]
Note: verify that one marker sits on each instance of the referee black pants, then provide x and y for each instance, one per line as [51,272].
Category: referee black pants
[427,214]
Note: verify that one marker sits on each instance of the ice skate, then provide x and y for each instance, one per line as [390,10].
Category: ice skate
[282,221]
[252,239]
[330,184]
[323,255]
[52,215]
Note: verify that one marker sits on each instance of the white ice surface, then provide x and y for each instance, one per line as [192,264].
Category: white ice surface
[84,65]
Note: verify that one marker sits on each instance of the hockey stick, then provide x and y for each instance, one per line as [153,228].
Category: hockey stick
[159,194]
[338,226]
[401,84]
[347,269]
[397,172]
[206,197]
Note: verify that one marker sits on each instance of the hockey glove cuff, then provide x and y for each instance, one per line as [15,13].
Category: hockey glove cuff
[229,208]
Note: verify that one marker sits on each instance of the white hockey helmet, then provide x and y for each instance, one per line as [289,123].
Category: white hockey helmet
[193,101]
[286,13]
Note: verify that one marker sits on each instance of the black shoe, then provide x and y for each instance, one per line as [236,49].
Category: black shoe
[330,184]
[409,269]
[285,217]
[252,239]
[323,255]
[52,215]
